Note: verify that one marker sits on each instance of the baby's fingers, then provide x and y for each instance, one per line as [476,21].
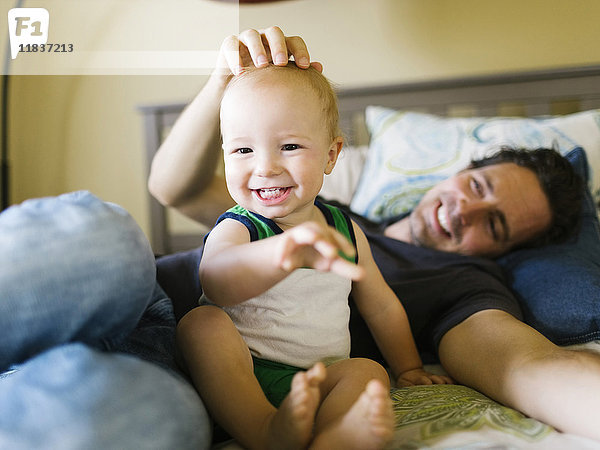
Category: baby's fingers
[317,246]
[347,269]
[441,379]
[343,244]
[325,240]
[289,259]
[316,236]
[325,248]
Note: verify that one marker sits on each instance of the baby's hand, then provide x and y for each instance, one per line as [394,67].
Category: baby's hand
[314,245]
[420,376]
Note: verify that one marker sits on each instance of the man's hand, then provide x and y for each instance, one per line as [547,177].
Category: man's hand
[258,48]
[317,246]
[420,376]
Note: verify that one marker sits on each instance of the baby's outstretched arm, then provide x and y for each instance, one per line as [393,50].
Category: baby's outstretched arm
[233,269]
[388,322]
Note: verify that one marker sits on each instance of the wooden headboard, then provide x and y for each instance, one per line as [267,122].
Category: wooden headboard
[526,94]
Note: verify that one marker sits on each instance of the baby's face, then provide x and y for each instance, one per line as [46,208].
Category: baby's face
[276,147]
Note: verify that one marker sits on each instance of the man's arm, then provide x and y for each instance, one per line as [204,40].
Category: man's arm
[388,322]
[183,170]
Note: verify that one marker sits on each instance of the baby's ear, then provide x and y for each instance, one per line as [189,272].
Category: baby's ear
[334,151]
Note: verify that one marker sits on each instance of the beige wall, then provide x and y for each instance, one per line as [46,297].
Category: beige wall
[73,132]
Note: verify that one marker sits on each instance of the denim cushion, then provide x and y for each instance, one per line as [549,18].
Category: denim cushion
[559,285]
[177,274]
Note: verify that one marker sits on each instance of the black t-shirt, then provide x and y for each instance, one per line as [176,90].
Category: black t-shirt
[437,289]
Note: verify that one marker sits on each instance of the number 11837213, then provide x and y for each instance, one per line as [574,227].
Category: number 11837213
[46,48]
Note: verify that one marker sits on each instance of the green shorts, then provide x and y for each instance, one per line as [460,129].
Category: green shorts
[274,378]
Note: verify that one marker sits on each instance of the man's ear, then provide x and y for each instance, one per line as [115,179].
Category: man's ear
[334,151]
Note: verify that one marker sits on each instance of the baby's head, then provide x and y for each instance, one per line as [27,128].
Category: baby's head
[307,81]
[280,136]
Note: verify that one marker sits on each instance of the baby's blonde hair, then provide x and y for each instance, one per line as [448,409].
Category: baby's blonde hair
[311,78]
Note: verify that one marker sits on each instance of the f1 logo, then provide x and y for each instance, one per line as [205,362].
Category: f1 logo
[27,26]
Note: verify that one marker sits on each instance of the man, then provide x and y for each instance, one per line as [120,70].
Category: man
[472,321]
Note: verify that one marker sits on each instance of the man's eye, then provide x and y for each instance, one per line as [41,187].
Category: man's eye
[244,150]
[289,147]
[476,186]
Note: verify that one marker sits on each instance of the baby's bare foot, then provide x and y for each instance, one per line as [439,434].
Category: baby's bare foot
[292,425]
[369,424]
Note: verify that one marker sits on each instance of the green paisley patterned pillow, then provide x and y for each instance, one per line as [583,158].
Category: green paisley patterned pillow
[454,416]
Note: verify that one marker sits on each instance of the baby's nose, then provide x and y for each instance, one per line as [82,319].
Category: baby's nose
[268,166]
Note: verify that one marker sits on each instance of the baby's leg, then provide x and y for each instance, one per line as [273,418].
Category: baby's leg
[356,412]
[222,370]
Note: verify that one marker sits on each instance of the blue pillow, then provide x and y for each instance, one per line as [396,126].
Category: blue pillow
[559,285]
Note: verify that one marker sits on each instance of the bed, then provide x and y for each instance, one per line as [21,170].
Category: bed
[401,139]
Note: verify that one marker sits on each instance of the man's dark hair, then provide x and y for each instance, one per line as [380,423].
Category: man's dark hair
[561,184]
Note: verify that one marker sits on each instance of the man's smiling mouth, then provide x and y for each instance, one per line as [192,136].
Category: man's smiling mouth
[442,218]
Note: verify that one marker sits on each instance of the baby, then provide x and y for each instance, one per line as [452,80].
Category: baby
[269,348]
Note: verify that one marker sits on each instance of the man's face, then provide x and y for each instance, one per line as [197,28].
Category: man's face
[485,211]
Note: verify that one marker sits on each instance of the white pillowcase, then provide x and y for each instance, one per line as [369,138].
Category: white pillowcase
[341,183]
[411,152]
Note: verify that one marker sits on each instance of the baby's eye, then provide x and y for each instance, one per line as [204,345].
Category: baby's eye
[243,150]
[289,147]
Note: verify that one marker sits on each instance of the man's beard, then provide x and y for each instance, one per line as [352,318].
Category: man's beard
[422,234]
[414,237]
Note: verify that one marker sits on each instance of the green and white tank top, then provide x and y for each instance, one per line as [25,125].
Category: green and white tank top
[304,318]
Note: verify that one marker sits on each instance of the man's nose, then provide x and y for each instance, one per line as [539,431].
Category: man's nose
[469,210]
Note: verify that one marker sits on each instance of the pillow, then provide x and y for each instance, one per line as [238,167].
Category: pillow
[559,285]
[411,152]
[340,184]
[450,416]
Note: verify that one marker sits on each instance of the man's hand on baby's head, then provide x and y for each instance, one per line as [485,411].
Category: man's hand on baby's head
[318,246]
[259,48]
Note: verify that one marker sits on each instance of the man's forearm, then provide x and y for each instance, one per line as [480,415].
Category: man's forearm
[185,163]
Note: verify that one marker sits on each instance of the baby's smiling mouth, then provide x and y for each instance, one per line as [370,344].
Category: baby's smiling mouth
[271,193]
